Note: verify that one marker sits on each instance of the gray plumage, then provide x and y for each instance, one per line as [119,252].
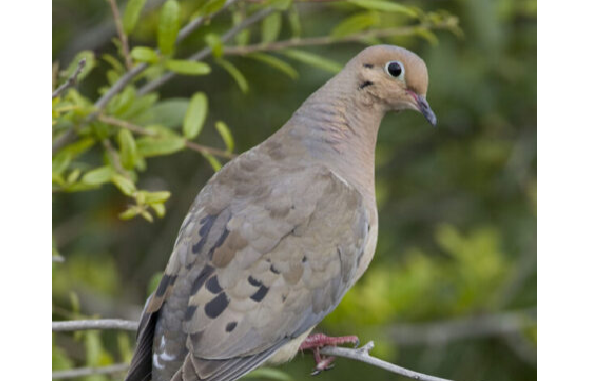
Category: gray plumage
[275,239]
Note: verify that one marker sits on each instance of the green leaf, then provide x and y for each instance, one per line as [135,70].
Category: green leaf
[355,24]
[235,73]
[270,374]
[157,197]
[144,54]
[123,183]
[168,27]
[122,101]
[313,60]
[188,67]
[294,21]
[90,63]
[195,115]
[60,162]
[214,163]
[128,214]
[149,147]
[132,14]
[271,27]
[127,148]
[386,6]
[169,113]
[225,135]
[79,147]
[97,176]
[159,209]
[114,63]
[216,44]
[212,6]
[276,63]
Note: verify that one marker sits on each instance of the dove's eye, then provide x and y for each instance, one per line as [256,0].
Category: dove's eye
[395,69]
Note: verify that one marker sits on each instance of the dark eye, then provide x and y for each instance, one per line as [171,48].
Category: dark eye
[394,68]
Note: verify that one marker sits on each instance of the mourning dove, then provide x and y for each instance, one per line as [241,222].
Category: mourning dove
[277,237]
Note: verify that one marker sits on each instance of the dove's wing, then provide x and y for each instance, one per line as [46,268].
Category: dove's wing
[262,257]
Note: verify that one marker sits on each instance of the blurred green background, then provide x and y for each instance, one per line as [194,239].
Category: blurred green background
[452,289]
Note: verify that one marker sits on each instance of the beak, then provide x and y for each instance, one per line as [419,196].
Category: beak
[426,110]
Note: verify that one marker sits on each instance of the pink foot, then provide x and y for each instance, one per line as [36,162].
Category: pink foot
[319,340]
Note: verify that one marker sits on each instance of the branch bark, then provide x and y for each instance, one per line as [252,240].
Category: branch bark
[88,371]
[357,354]
[256,17]
[71,81]
[327,40]
[142,131]
[362,354]
[80,325]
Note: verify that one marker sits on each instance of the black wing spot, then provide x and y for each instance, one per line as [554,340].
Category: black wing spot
[201,278]
[207,223]
[216,306]
[254,282]
[218,244]
[213,285]
[273,269]
[260,294]
[230,326]
[189,312]
[304,259]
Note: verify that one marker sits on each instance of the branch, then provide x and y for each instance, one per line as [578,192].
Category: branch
[79,325]
[121,33]
[88,371]
[327,40]
[256,17]
[71,81]
[358,354]
[362,354]
[142,131]
[127,77]
[499,324]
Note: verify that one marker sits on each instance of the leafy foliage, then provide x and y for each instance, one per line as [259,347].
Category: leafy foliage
[457,205]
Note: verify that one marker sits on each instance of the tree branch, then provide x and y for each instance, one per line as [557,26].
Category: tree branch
[256,17]
[142,131]
[79,325]
[88,371]
[327,40]
[71,81]
[489,325]
[362,354]
[121,33]
[358,354]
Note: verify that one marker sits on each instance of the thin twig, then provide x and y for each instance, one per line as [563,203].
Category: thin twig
[489,325]
[327,40]
[71,81]
[79,325]
[114,158]
[256,17]
[120,84]
[362,354]
[128,77]
[142,131]
[358,354]
[88,371]
[121,33]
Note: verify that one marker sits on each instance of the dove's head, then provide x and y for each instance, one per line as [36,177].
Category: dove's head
[393,77]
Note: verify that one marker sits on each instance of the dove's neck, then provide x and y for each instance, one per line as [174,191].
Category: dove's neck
[340,130]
